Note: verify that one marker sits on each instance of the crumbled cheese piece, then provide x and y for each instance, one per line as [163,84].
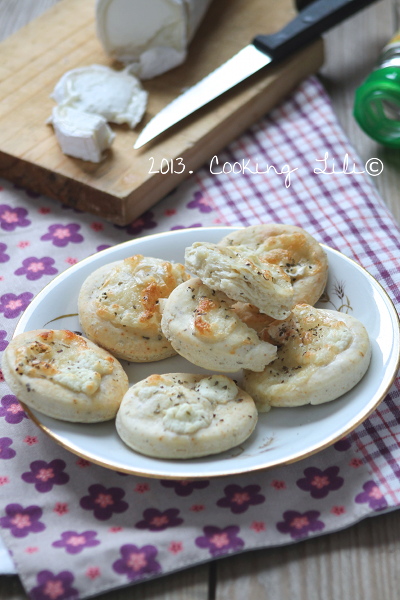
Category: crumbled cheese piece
[217,388]
[115,95]
[75,366]
[80,134]
[187,418]
[183,410]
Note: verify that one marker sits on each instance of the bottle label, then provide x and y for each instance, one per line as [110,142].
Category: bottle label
[390,56]
[395,39]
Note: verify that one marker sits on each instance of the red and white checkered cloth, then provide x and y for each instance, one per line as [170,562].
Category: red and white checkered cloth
[76,529]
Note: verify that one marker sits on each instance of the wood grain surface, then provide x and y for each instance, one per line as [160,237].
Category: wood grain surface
[363,561]
[123,186]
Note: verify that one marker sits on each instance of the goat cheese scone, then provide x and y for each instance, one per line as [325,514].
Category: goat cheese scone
[119,306]
[270,330]
[291,248]
[238,272]
[65,376]
[181,415]
[203,328]
[325,354]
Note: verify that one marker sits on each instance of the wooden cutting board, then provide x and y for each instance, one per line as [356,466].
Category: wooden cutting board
[122,186]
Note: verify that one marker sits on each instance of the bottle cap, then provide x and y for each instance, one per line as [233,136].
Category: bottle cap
[377,106]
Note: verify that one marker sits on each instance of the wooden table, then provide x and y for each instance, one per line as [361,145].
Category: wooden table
[362,562]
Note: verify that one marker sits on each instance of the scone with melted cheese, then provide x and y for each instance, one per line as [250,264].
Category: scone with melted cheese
[240,274]
[180,415]
[325,353]
[65,376]
[292,249]
[273,331]
[119,308]
[203,328]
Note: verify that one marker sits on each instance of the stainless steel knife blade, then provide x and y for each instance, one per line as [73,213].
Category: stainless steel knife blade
[247,61]
[307,26]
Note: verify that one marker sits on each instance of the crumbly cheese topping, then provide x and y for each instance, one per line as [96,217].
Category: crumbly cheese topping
[129,296]
[185,409]
[64,358]
[313,340]
[187,418]
[292,252]
[217,389]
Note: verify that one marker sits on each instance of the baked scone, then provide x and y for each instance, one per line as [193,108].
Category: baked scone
[180,415]
[325,354]
[293,249]
[203,328]
[119,309]
[65,376]
[270,330]
[240,274]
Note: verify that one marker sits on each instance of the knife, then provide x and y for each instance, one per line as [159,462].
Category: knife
[308,25]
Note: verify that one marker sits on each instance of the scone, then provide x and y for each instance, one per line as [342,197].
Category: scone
[325,354]
[203,328]
[180,415]
[270,330]
[119,308]
[65,376]
[238,272]
[294,250]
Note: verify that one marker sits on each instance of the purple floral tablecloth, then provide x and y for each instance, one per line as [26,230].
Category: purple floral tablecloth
[75,529]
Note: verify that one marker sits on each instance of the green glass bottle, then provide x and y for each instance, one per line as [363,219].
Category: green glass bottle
[377,100]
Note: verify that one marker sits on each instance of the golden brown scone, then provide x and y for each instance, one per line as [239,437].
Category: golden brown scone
[273,331]
[238,272]
[180,415]
[325,354]
[64,376]
[294,250]
[119,308]
[203,328]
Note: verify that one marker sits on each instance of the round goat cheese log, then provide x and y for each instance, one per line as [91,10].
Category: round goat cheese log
[203,328]
[152,36]
[119,306]
[65,376]
[181,415]
[324,354]
[291,248]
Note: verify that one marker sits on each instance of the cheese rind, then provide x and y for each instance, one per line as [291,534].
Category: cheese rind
[153,36]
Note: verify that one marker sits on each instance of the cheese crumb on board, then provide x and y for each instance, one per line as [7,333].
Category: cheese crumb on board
[81,134]
[87,98]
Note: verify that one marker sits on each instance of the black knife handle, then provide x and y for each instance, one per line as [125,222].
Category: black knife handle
[309,24]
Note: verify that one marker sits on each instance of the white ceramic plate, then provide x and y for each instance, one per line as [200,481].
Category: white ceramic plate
[282,435]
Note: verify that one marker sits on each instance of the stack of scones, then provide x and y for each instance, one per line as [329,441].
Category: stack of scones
[246,303]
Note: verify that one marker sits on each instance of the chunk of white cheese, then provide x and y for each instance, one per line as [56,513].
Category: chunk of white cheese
[154,36]
[81,134]
[96,89]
